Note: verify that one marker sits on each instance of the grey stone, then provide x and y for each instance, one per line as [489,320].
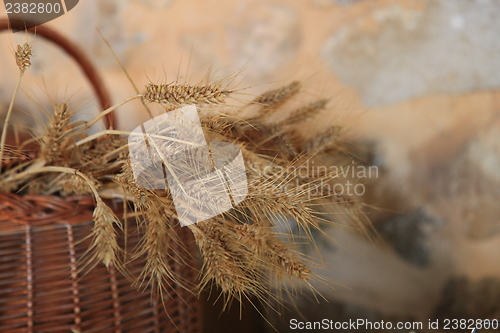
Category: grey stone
[463,298]
[472,183]
[266,40]
[450,47]
[409,233]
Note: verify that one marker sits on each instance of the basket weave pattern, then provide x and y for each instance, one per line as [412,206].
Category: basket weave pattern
[42,288]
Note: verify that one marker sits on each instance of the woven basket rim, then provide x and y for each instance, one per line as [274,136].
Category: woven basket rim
[41,209]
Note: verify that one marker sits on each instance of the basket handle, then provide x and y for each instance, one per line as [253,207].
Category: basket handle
[77,54]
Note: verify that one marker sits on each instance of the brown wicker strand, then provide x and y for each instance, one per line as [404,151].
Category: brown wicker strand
[43,290]
[75,289]
[29,275]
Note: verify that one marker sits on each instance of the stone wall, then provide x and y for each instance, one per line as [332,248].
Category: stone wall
[417,79]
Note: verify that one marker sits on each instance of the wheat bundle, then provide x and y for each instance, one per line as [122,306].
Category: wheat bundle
[245,252]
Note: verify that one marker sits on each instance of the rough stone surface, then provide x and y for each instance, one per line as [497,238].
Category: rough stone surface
[473,184]
[450,47]
[409,233]
[265,40]
[464,299]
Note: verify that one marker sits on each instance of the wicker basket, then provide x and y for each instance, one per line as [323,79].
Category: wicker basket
[41,289]
[42,238]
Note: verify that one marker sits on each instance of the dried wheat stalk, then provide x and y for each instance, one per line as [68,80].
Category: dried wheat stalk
[243,252]
[104,236]
[51,144]
[23,57]
[304,112]
[180,94]
[23,61]
[273,98]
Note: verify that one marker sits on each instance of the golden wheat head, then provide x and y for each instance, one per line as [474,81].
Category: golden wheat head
[23,57]
[181,94]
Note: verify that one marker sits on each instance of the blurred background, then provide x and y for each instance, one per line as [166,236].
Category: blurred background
[413,82]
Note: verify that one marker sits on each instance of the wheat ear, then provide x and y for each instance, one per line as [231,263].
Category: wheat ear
[323,141]
[273,98]
[156,245]
[105,242]
[23,57]
[304,112]
[180,94]
[23,61]
[222,263]
[263,242]
[104,235]
[50,145]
